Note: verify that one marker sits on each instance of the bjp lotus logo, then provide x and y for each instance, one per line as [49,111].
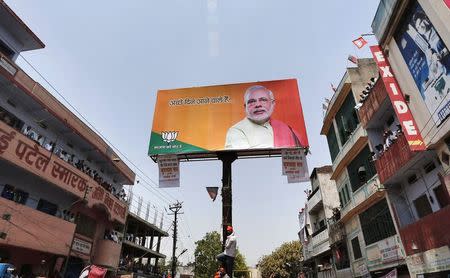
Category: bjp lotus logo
[169,136]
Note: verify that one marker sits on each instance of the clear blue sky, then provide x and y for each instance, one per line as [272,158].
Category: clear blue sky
[108,58]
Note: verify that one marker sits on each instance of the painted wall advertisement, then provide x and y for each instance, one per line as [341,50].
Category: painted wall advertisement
[428,60]
[258,115]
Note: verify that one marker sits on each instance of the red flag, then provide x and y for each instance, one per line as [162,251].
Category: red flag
[353,59]
[447,2]
[360,42]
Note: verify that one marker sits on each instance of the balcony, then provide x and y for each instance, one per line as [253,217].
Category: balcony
[349,150]
[30,93]
[373,103]
[427,233]
[314,199]
[107,253]
[393,159]
[368,194]
[319,242]
[26,154]
[28,228]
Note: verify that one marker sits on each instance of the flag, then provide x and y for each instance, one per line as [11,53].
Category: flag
[212,191]
[353,59]
[360,42]
[332,87]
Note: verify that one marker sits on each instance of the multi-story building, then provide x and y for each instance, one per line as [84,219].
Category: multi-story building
[414,37]
[62,205]
[363,231]
[322,200]
[141,246]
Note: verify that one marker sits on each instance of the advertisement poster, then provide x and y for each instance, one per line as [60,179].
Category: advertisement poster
[428,60]
[259,115]
[169,171]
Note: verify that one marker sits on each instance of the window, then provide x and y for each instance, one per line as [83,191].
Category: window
[429,167]
[441,195]
[361,169]
[356,249]
[87,226]
[423,206]
[332,143]
[345,196]
[347,118]
[340,256]
[14,194]
[6,50]
[376,223]
[47,207]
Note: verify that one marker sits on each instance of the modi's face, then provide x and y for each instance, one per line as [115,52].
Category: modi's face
[259,106]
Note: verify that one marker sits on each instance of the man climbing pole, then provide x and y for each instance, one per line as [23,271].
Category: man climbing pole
[227,257]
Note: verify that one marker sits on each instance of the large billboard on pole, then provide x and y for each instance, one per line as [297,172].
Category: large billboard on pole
[247,116]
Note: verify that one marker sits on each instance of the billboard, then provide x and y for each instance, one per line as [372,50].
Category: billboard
[428,61]
[258,116]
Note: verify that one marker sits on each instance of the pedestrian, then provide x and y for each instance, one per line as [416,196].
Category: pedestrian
[227,257]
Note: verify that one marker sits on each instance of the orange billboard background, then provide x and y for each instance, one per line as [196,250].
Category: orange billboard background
[201,116]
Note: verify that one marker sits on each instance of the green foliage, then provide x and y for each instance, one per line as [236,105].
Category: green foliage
[205,254]
[284,262]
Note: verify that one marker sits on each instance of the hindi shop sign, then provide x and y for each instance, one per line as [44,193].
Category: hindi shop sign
[25,153]
[81,246]
[404,115]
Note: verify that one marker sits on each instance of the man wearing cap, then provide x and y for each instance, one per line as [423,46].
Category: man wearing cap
[227,257]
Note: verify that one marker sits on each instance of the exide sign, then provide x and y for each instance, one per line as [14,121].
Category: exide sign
[402,110]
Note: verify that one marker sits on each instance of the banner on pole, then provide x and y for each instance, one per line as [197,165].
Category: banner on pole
[169,171]
[295,166]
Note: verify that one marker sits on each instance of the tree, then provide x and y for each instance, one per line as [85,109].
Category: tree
[284,262]
[205,254]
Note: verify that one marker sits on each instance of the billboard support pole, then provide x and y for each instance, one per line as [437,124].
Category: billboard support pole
[227,159]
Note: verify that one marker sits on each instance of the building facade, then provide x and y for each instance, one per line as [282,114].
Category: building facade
[364,238]
[414,37]
[322,201]
[62,203]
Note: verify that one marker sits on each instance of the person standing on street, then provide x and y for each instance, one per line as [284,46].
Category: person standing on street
[227,257]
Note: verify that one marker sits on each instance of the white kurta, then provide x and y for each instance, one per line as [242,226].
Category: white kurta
[248,135]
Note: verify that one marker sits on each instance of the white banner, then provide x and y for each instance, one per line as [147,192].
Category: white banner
[169,171]
[294,165]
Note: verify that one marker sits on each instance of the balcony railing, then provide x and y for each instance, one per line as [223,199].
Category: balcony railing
[427,233]
[314,200]
[319,242]
[29,228]
[350,149]
[32,88]
[393,159]
[363,197]
[26,154]
[372,103]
